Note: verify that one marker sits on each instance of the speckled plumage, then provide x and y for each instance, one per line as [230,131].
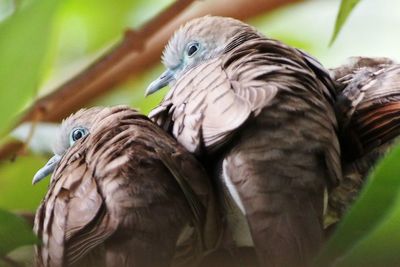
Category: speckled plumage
[260,114]
[125,195]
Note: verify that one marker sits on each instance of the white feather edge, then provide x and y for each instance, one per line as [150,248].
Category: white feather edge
[236,214]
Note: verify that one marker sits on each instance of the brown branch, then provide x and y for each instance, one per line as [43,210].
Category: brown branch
[137,52]
[100,75]
[8,150]
[129,58]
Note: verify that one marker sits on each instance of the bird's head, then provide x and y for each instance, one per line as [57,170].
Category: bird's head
[195,42]
[72,129]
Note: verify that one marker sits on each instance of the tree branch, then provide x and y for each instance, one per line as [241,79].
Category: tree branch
[101,75]
[137,52]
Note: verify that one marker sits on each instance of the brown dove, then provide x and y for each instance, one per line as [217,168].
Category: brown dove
[260,115]
[368,111]
[123,193]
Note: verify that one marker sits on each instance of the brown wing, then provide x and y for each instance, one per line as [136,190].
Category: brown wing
[131,211]
[355,64]
[197,123]
[182,166]
[368,110]
[377,116]
[282,163]
[367,103]
[271,103]
[72,218]
[212,101]
[196,187]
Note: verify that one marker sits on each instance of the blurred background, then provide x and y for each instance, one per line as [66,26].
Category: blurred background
[45,43]
[82,31]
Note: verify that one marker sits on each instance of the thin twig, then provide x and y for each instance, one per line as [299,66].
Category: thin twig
[137,52]
[133,41]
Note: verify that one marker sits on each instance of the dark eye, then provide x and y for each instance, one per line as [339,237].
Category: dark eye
[77,134]
[192,49]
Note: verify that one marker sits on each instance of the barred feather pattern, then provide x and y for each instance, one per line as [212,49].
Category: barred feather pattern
[265,112]
[368,111]
[115,201]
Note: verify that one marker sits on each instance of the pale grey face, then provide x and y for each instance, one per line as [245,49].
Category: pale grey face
[181,54]
[74,129]
[68,136]
[71,130]
[198,41]
[178,60]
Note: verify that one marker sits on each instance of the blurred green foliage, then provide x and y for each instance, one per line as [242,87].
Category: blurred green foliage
[74,33]
[14,232]
[369,235]
[45,42]
[16,190]
[82,30]
[21,64]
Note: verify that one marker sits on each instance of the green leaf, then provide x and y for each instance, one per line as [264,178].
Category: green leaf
[345,9]
[23,42]
[14,232]
[23,256]
[369,221]
[380,247]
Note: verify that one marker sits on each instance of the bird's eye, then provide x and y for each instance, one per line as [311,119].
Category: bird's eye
[192,49]
[77,134]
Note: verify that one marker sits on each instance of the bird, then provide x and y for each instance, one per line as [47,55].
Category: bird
[123,193]
[260,116]
[368,112]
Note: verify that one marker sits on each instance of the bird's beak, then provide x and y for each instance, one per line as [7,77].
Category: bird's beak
[47,169]
[161,82]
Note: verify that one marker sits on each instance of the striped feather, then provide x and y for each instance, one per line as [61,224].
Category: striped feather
[113,201]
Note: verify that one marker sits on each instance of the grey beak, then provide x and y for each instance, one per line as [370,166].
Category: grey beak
[161,82]
[47,169]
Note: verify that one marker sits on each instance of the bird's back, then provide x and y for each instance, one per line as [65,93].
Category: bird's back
[368,111]
[115,200]
[268,110]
